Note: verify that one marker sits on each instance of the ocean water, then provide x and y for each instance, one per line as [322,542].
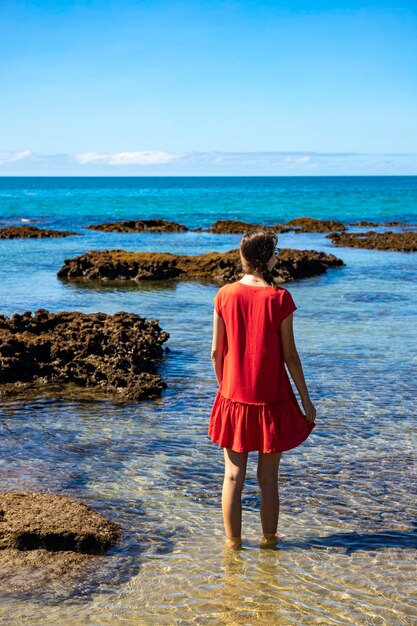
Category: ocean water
[348,511]
[198,201]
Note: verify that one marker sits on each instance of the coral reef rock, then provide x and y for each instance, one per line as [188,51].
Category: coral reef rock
[217,267]
[112,354]
[32,232]
[311,225]
[401,242]
[139,226]
[235,226]
[31,521]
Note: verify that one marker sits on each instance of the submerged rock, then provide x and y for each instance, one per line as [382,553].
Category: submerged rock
[217,267]
[366,223]
[112,354]
[381,224]
[27,572]
[138,226]
[236,226]
[311,225]
[32,521]
[402,242]
[32,232]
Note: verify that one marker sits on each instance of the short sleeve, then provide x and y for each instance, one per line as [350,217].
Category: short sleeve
[287,305]
[217,303]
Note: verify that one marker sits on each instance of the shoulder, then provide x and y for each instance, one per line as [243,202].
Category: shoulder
[226,289]
[221,291]
[225,294]
[282,294]
[219,299]
[286,302]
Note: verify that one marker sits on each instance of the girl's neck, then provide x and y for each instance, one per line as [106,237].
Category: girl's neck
[254,278]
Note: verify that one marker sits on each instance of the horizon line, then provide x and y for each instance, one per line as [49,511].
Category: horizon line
[209,176]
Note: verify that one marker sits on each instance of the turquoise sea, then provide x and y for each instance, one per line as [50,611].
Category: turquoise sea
[348,518]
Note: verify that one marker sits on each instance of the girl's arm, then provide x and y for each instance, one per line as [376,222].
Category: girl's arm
[293,363]
[218,345]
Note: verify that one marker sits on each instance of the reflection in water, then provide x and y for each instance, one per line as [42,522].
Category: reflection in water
[238,607]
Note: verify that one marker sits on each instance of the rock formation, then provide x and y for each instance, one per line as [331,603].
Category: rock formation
[32,232]
[111,354]
[365,223]
[376,224]
[311,225]
[217,267]
[402,242]
[31,521]
[236,226]
[139,226]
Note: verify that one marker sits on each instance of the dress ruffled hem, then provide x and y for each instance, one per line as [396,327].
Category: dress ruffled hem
[265,427]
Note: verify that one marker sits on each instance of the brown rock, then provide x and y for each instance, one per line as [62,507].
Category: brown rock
[235,226]
[365,223]
[381,224]
[37,571]
[138,226]
[402,242]
[311,225]
[108,353]
[121,265]
[217,267]
[295,264]
[31,521]
[32,232]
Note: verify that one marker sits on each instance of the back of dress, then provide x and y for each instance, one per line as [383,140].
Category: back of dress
[255,407]
[253,367]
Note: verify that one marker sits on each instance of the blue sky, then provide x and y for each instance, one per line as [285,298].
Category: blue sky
[162,87]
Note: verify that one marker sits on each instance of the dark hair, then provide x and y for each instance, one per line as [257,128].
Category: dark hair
[256,248]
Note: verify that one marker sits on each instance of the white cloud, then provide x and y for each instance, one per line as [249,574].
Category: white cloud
[250,158]
[296,159]
[217,163]
[10,157]
[161,158]
[127,158]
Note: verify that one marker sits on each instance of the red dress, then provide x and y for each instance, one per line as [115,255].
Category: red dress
[255,407]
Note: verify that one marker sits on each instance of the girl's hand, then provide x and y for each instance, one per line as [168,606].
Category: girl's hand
[309,410]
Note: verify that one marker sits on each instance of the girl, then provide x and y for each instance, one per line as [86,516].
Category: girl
[255,407]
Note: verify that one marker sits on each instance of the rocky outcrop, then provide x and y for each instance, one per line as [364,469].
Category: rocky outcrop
[32,232]
[235,226]
[311,225]
[217,267]
[139,226]
[375,224]
[295,264]
[365,223]
[402,242]
[110,354]
[26,572]
[32,521]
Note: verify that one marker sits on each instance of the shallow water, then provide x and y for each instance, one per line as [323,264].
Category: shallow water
[348,519]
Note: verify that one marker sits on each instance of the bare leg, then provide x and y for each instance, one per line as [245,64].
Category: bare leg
[234,478]
[267,473]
